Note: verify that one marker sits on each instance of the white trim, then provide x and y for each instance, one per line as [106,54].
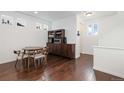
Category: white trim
[87,53]
[109,72]
[114,48]
[7,61]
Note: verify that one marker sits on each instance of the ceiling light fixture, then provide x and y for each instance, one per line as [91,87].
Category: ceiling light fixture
[88,13]
[35,12]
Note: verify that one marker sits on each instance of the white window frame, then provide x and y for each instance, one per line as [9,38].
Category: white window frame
[93,29]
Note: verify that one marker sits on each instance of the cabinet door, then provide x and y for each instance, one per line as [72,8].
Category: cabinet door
[68,50]
[54,49]
[64,50]
[71,51]
[58,49]
[50,48]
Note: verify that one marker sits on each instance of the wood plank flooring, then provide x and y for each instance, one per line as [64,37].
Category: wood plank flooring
[57,69]
[101,76]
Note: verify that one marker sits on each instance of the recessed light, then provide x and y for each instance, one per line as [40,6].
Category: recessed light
[35,12]
[88,13]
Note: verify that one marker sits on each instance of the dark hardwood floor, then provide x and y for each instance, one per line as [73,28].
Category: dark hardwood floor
[101,76]
[57,69]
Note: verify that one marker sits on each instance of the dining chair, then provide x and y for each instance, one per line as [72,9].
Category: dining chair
[45,53]
[31,54]
[20,55]
[41,55]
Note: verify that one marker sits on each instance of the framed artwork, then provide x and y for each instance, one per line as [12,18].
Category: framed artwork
[39,26]
[6,20]
[45,27]
[21,22]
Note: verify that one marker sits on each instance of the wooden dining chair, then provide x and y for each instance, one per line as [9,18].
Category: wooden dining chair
[45,53]
[20,55]
[31,54]
[41,55]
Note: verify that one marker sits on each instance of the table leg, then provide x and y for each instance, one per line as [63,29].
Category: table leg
[28,63]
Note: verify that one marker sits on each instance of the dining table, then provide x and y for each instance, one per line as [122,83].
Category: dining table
[32,48]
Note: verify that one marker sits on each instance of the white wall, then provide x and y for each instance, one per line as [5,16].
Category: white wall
[109,55]
[87,42]
[69,24]
[78,38]
[13,37]
[106,25]
[109,60]
[114,35]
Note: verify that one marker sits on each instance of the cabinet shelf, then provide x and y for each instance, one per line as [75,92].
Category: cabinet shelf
[56,34]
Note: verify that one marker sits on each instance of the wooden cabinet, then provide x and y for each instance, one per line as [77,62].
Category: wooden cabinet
[54,48]
[57,44]
[66,50]
[57,49]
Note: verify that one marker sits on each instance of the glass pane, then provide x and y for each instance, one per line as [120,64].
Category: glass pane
[92,29]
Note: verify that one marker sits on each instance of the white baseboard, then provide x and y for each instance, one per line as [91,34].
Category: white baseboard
[7,61]
[86,53]
[109,72]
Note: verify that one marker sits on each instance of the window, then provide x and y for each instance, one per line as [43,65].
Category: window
[92,29]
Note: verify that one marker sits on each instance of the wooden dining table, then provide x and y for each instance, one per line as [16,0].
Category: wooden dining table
[30,50]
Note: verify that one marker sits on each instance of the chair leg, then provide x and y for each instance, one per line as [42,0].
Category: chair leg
[16,62]
[28,63]
[45,60]
[35,64]
[22,61]
[25,63]
[40,61]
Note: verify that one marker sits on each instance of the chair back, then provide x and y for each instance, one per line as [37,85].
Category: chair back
[45,50]
[17,52]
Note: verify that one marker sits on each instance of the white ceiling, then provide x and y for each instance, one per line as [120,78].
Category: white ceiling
[56,15]
[51,15]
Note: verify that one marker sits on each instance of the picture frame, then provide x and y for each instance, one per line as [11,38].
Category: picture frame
[39,26]
[5,19]
[20,22]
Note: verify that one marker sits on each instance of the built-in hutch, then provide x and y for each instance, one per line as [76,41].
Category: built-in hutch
[57,43]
